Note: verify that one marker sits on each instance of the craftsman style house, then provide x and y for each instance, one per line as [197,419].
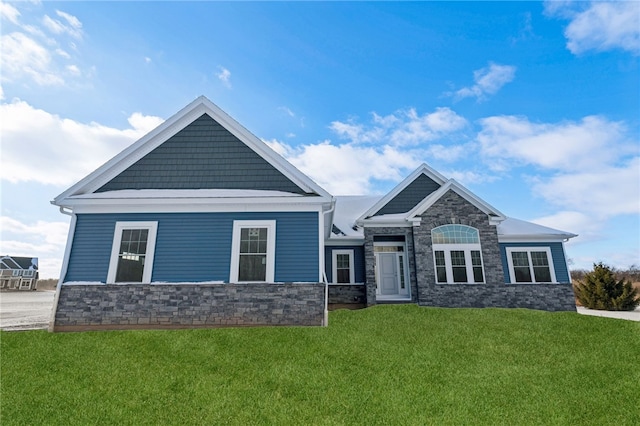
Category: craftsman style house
[200,224]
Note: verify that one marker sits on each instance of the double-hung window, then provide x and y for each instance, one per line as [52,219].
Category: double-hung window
[253,251]
[132,252]
[343,272]
[530,265]
[457,254]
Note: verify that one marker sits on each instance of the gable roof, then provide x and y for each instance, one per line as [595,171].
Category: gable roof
[373,216]
[454,186]
[18,262]
[397,192]
[105,178]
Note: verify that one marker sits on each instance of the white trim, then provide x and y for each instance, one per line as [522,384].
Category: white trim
[63,270]
[152,227]
[454,186]
[169,128]
[566,262]
[344,241]
[334,265]
[212,207]
[238,225]
[423,169]
[467,249]
[528,250]
[321,259]
[542,238]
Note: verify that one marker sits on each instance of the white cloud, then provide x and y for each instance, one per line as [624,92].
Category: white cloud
[348,169]
[224,76]
[604,191]
[599,26]
[22,55]
[71,25]
[508,141]
[61,151]
[9,12]
[73,69]
[42,239]
[287,111]
[402,128]
[488,81]
[147,59]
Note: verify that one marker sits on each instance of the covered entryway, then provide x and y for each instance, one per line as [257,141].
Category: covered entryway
[392,279]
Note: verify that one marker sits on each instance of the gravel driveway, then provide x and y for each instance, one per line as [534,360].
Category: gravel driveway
[25,310]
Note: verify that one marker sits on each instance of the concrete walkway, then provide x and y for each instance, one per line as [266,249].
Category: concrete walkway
[25,310]
[627,315]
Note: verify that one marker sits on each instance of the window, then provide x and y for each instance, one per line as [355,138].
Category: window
[343,272]
[530,265]
[457,254]
[253,251]
[28,273]
[132,252]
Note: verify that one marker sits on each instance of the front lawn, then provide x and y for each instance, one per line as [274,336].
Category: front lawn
[383,365]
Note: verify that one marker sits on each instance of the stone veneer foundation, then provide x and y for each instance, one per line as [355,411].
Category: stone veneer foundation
[146,306]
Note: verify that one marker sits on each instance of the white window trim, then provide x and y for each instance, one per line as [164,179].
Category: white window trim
[334,264]
[528,250]
[238,225]
[466,248]
[152,227]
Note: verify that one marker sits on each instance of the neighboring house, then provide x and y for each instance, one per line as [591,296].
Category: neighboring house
[200,224]
[18,273]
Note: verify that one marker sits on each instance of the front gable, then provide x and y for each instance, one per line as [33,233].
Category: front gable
[408,193]
[410,196]
[203,155]
[200,147]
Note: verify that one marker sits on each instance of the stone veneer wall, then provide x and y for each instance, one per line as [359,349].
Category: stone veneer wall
[449,209]
[370,261]
[127,306]
[347,294]
[547,297]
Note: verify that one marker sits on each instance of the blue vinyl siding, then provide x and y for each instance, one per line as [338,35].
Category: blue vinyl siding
[411,196]
[195,247]
[202,155]
[358,261]
[557,252]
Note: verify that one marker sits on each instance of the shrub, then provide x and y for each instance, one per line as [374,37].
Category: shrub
[599,289]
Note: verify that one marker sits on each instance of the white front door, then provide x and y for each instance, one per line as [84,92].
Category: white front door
[388,273]
[392,275]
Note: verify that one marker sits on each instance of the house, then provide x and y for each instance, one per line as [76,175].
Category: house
[18,273]
[200,224]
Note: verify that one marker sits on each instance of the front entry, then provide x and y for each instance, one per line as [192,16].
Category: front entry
[391,274]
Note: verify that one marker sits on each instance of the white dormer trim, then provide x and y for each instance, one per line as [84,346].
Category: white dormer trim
[424,169]
[495,216]
[172,126]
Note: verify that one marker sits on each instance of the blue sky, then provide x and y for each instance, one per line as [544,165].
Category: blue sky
[535,107]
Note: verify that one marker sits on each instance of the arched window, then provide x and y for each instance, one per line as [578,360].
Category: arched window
[457,254]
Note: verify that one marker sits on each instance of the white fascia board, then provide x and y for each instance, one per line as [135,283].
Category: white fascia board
[169,128]
[423,169]
[275,159]
[541,238]
[495,215]
[344,241]
[198,205]
[135,151]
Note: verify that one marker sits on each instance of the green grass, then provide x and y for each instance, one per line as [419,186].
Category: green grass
[383,365]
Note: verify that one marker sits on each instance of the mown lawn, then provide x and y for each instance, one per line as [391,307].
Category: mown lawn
[383,365]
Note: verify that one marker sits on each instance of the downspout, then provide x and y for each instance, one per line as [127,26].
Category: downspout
[325,322]
[415,266]
[324,267]
[65,264]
